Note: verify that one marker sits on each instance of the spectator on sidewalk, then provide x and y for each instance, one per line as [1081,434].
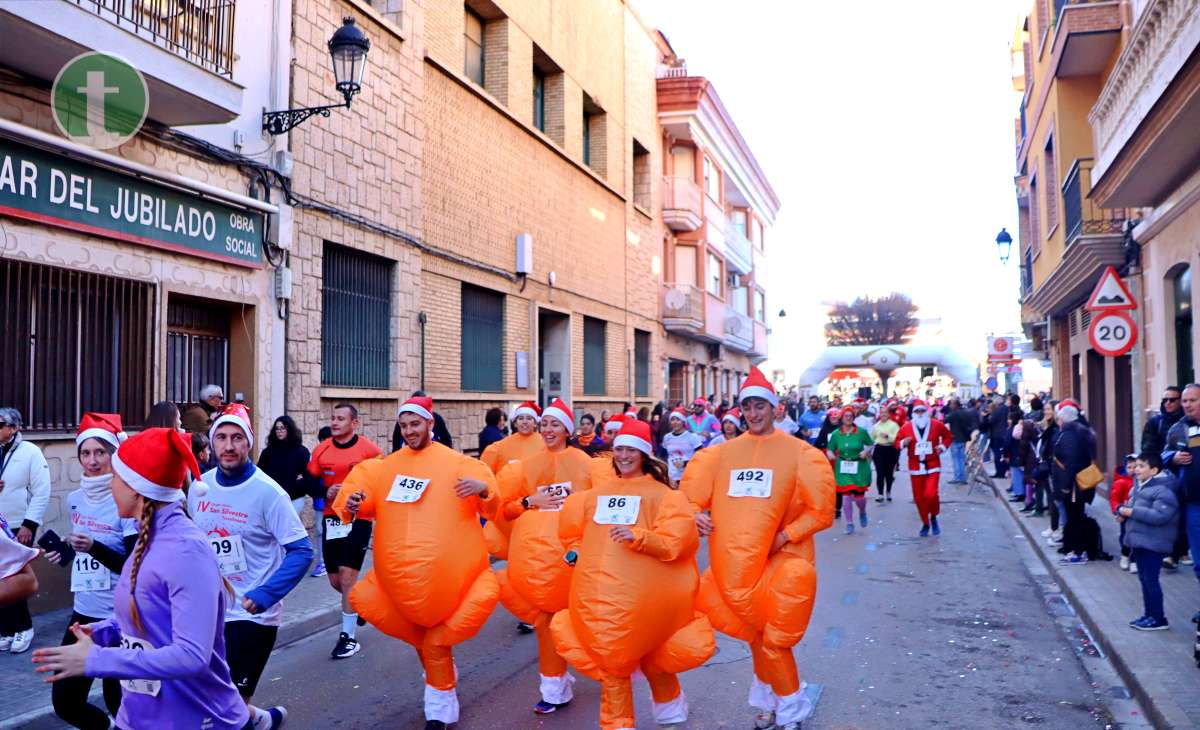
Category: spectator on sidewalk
[1118,495]
[587,440]
[1170,410]
[164,414]
[961,422]
[285,459]
[491,432]
[24,495]
[1151,519]
[1027,438]
[198,418]
[1074,451]
[1182,453]
[1050,431]
[1017,485]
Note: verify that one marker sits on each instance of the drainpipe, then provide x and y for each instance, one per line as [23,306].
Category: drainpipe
[1138,359]
[422,319]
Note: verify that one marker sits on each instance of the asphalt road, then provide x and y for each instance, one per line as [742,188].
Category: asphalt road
[950,632]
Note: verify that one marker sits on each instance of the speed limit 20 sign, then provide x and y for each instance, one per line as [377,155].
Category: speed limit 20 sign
[1112,333]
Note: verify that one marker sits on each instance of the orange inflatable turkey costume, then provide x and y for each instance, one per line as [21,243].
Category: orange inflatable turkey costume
[769,493]
[534,585]
[633,587]
[514,447]
[430,585]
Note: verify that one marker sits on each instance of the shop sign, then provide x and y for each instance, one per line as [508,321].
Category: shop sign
[49,188]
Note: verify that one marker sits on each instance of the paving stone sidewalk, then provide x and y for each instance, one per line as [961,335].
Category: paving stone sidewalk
[1157,666]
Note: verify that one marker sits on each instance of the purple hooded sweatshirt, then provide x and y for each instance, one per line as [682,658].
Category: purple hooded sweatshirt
[182,603]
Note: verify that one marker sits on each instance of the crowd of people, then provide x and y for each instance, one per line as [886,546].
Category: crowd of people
[598,520]
[182,548]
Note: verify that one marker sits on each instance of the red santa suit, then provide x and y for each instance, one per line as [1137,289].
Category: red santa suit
[924,447]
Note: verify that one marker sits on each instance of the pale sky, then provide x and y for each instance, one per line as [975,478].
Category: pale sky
[886,130]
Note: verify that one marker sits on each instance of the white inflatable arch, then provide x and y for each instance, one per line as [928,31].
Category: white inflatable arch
[885,358]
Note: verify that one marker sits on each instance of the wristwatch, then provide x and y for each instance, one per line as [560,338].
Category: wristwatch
[525,502]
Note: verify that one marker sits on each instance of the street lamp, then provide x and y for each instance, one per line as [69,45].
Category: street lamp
[348,50]
[1004,244]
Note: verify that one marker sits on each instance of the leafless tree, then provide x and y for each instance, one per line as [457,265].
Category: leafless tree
[888,320]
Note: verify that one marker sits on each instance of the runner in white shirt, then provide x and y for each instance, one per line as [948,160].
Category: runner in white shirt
[262,549]
[681,445]
[100,539]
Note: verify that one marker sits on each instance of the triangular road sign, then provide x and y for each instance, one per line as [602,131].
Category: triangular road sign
[1110,293]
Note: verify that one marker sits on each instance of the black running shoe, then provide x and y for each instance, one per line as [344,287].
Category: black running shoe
[346,647]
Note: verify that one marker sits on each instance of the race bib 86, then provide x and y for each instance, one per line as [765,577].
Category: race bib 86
[617,509]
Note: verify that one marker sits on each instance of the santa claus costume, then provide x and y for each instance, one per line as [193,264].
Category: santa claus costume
[923,439]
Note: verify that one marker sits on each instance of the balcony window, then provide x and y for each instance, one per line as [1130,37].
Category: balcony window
[1181,289]
[741,300]
[738,220]
[714,275]
[758,234]
[539,99]
[594,356]
[685,265]
[473,34]
[712,179]
[760,306]
[1051,173]
[683,162]
[641,175]
[641,363]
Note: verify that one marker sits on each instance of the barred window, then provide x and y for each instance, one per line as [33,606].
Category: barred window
[482,339]
[641,363]
[73,342]
[356,309]
[593,356]
[197,348]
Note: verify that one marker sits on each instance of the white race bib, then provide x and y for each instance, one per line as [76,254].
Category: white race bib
[554,490]
[139,686]
[750,483]
[231,556]
[335,529]
[923,448]
[616,510]
[407,490]
[847,467]
[87,574]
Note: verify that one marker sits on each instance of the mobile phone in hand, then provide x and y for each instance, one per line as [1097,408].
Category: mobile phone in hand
[52,543]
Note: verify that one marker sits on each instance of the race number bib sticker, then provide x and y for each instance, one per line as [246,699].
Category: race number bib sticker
[335,529]
[407,490]
[616,510]
[139,686]
[923,448]
[231,556]
[554,490]
[847,467]
[87,574]
[750,483]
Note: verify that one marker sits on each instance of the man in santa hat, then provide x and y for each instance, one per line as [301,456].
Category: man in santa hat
[760,499]
[701,422]
[262,549]
[431,585]
[924,438]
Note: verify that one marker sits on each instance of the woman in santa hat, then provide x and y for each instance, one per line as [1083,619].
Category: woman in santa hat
[523,442]
[166,640]
[731,427]
[100,539]
[632,541]
[534,585]
[850,449]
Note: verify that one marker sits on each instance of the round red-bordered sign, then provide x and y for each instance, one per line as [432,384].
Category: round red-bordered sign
[1112,334]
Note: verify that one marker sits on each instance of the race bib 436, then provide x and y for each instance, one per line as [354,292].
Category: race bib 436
[407,490]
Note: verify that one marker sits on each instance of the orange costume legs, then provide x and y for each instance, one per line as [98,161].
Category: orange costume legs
[441,698]
[777,687]
[556,684]
[925,494]
[616,699]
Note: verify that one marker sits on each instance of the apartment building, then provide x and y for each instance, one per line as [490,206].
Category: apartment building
[1144,126]
[717,207]
[542,212]
[1067,50]
[142,271]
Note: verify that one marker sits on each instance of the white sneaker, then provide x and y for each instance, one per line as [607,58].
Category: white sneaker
[5,643]
[1186,560]
[1133,567]
[1124,562]
[1047,532]
[22,641]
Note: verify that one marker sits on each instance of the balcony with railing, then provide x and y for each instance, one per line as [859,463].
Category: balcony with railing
[738,252]
[683,204]
[184,48]
[1086,33]
[759,347]
[1081,215]
[739,330]
[683,309]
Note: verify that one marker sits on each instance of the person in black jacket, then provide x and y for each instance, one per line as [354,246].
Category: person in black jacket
[285,459]
[441,434]
[1074,451]
[995,424]
[1170,410]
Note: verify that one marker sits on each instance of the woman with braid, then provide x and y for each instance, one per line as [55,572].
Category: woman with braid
[166,639]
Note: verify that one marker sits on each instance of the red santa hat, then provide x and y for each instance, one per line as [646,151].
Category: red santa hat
[700,402]
[677,413]
[421,405]
[733,414]
[155,463]
[614,423]
[631,413]
[834,414]
[238,415]
[918,403]
[635,434]
[756,385]
[528,408]
[104,426]
[1068,403]
[561,412]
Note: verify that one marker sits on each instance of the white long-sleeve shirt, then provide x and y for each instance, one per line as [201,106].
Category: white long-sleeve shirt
[26,478]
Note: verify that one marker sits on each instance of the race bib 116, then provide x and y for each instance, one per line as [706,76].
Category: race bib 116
[87,574]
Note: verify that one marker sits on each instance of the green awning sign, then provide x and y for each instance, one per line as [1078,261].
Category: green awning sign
[60,191]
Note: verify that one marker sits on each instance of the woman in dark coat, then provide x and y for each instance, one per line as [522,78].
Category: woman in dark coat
[285,459]
[1074,451]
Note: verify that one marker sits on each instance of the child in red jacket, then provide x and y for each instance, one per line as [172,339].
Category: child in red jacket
[1122,486]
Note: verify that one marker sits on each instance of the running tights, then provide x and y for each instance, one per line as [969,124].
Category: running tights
[851,499]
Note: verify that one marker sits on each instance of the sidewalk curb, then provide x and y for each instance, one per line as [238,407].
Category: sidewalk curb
[1139,691]
[291,632]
